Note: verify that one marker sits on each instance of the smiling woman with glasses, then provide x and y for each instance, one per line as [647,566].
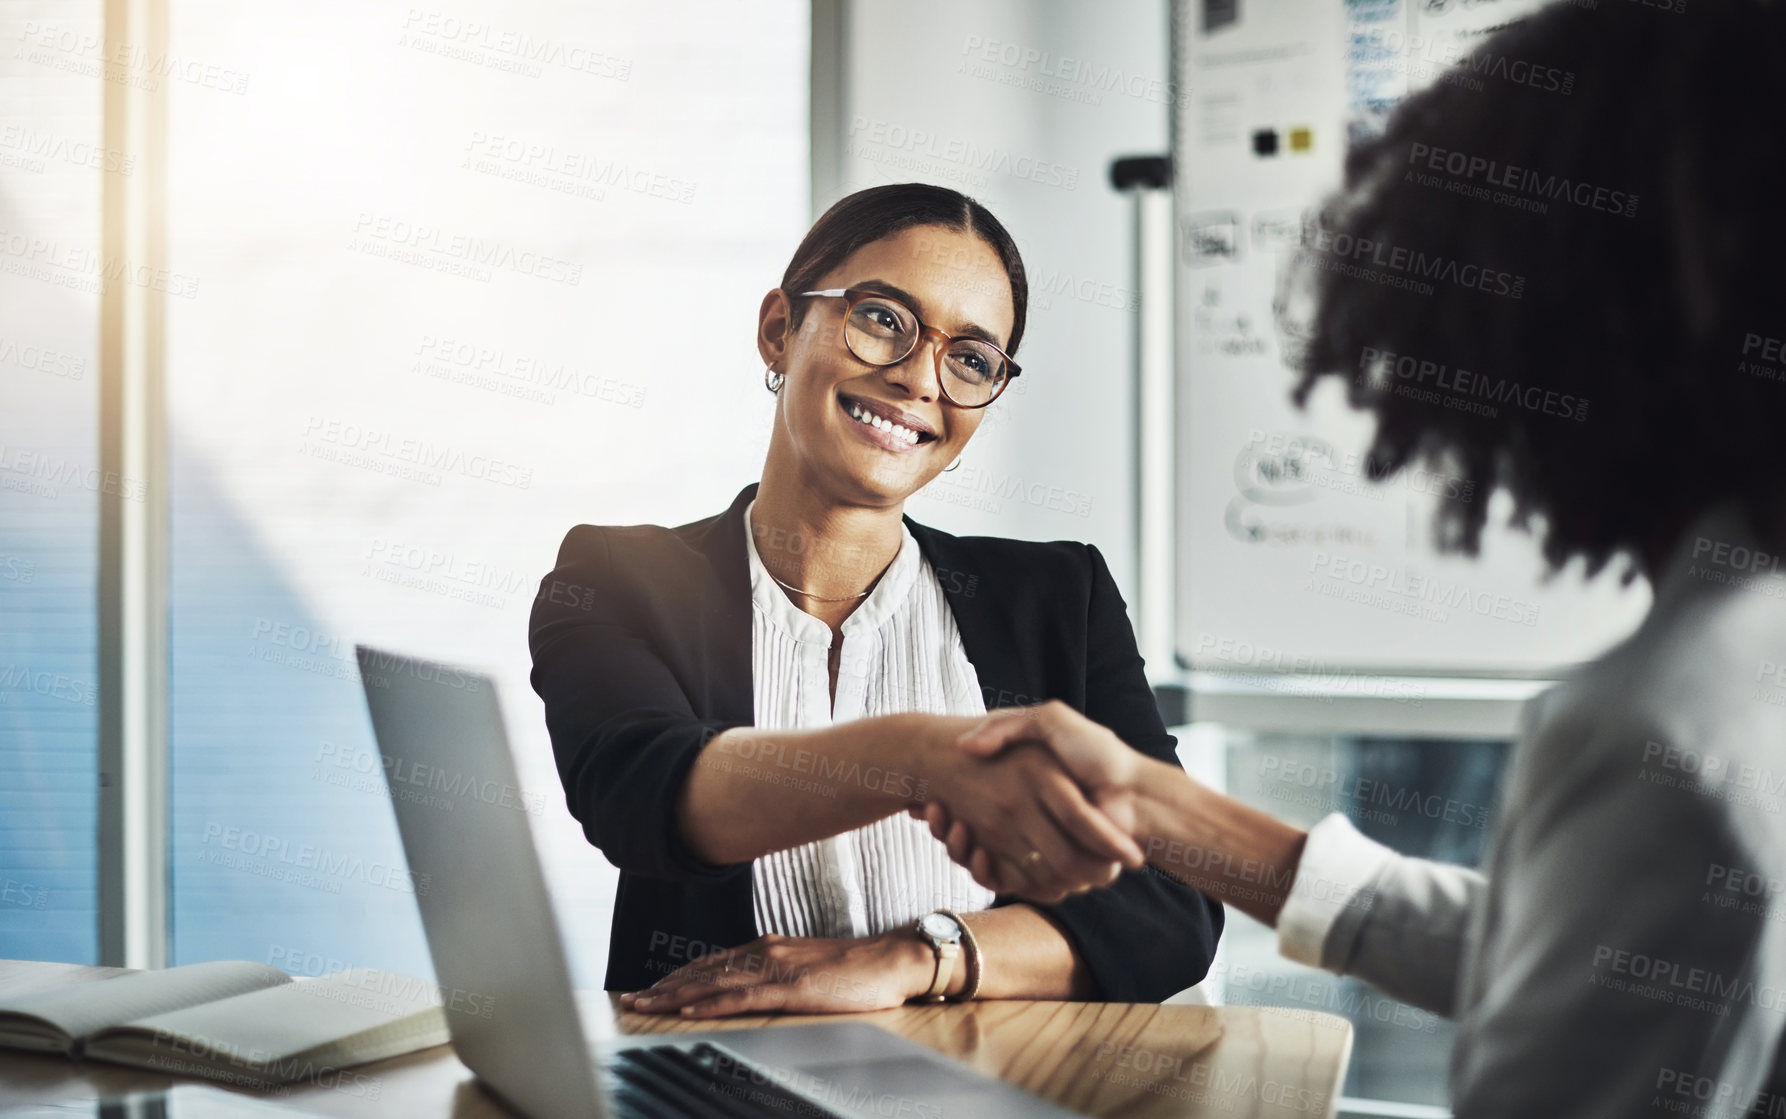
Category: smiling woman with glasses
[748,711]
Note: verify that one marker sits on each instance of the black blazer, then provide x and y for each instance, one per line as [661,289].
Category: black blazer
[641,642]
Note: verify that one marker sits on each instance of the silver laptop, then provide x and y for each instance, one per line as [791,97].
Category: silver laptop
[506,987]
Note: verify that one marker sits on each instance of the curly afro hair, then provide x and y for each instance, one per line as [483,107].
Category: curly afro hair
[1621,164]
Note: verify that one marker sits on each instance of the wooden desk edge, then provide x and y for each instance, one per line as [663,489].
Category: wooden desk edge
[1035,1045]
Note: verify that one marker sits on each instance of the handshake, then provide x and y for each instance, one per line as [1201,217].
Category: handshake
[1042,802]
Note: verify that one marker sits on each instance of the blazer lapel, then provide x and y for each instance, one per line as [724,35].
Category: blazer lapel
[725,613]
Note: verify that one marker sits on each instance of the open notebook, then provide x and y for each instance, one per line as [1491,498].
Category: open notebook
[231,1020]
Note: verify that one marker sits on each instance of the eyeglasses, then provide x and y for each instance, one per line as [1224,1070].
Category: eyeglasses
[883,331]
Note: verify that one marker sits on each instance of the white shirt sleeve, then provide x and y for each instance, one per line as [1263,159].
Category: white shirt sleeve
[1335,873]
[1358,908]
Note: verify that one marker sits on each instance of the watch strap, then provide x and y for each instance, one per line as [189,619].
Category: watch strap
[946,955]
[970,951]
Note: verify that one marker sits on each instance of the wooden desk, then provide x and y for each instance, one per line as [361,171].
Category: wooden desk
[1134,1060]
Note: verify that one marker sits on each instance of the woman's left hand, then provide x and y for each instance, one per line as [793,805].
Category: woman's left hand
[801,975]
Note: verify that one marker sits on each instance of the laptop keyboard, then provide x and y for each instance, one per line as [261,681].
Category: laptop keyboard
[671,1082]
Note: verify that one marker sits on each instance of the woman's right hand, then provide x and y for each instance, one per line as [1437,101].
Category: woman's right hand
[1103,770]
[1027,814]
[1230,851]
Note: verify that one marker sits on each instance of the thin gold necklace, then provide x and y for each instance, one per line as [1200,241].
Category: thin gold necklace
[816,598]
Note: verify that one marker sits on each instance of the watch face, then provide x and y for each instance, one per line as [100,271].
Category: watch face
[940,926]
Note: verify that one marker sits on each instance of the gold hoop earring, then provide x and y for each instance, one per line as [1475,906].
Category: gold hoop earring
[771,379]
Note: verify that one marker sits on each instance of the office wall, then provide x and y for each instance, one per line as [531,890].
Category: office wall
[1023,105]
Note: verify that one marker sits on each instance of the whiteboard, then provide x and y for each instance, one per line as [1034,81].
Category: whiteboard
[1288,558]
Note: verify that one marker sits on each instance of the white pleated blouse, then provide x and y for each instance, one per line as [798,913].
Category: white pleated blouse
[901,652]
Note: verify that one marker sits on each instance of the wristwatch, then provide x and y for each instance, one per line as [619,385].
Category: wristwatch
[943,933]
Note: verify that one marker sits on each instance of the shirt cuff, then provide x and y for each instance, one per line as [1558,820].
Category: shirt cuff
[1336,875]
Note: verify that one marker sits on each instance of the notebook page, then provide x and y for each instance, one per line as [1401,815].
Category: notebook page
[337,1013]
[80,1007]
